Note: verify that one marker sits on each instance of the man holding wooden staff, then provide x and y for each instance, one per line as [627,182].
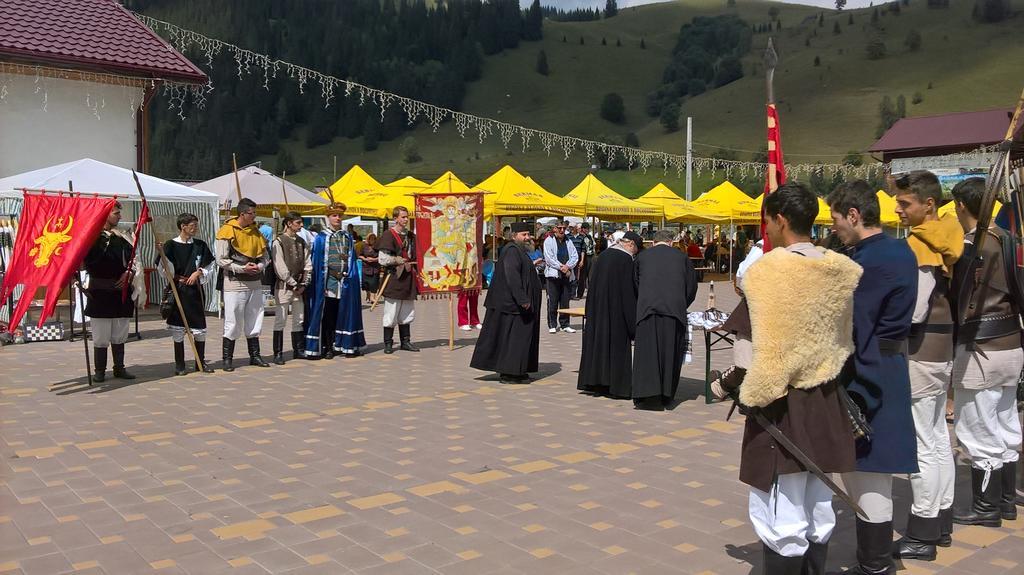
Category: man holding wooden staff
[397,249]
[241,253]
[193,264]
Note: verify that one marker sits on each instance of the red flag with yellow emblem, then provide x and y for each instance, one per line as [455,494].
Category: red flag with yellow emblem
[56,232]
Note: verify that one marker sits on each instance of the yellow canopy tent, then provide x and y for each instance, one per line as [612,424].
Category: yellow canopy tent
[950,209]
[447,183]
[676,209]
[887,209]
[508,193]
[726,203]
[361,194]
[603,202]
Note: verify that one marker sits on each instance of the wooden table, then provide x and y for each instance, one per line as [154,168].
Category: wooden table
[576,312]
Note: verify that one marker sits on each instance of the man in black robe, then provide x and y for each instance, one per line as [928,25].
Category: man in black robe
[509,342]
[666,286]
[606,366]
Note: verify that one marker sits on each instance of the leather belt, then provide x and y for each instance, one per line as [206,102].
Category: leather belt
[918,329]
[892,346]
[992,326]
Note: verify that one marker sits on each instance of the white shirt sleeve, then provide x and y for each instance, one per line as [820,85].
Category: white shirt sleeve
[755,253]
[925,286]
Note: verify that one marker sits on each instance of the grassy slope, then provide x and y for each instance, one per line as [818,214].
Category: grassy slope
[825,110]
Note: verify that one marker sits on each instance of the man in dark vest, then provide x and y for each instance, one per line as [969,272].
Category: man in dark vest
[883,308]
[666,286]
[937,244]
[397,248]
[985,378]
[293,267]
[802,298]
[109,266]
[510,339]
[606,364]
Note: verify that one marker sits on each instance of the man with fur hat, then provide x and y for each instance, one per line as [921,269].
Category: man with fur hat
[241,253]
[937,245]
[110,267]
[801,304]
[336,313]
[397,248]
[510,339]
[985,377]
[883,308]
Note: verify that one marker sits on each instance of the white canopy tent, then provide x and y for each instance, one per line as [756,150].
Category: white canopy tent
[166,200]
[264,188]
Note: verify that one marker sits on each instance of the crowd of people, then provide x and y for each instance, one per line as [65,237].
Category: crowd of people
[843,357]
[849,359]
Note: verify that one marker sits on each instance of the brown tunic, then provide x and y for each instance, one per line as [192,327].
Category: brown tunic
[402,284]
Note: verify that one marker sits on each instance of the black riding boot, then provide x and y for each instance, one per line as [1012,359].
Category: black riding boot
[179,358]
[298,345]
[279,347]
[920,539]
[945,527]
[117,350]
[99,358]
[229,353]
[775,564]
[405,336]
[814,559]
[254,352]
[984,508]
[1008,502]
[874,548]
[389,340]
[201,356]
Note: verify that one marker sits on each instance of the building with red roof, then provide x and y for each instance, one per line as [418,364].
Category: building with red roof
[76,77]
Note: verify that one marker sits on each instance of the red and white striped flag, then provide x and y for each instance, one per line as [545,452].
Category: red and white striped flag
[776,173]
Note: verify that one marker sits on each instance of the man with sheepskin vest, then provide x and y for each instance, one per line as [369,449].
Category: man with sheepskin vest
[883,309]
[937,244]
[801,310]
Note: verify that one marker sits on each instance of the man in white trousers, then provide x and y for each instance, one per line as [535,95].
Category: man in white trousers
[241,252]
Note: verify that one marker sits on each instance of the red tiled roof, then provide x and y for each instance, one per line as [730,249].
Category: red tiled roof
[947,130]
[94,34]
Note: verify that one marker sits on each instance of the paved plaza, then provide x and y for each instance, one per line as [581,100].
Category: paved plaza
[408,463]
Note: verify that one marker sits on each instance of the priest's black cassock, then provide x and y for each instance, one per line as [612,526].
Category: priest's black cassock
[667,285]
[510,338]
[606,364]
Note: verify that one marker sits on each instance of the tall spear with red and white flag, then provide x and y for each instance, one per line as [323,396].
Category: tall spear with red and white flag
[776,173]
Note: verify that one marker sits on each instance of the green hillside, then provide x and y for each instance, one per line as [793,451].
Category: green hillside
[826,110]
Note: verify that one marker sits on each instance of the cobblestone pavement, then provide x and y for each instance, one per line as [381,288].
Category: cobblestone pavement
[409,463]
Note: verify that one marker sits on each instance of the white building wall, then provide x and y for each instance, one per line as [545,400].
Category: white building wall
[47,121]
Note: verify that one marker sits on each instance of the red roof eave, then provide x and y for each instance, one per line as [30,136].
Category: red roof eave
[33,57]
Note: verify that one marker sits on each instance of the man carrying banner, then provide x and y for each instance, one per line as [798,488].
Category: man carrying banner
[883,309]
[509,342]
[397,248]
[985,376]
[293,268]
[241,253]
[802,298]
[336,313]
[111,268]
[937,244]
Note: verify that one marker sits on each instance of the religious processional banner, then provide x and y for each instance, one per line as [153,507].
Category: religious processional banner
[449,233]
[56,232]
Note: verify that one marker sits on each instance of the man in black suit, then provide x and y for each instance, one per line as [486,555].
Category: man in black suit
[667,285]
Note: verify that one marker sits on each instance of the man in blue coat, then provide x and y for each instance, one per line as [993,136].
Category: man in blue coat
[883,308]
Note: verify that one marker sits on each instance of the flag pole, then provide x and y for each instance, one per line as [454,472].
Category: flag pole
[167,268]
[81,305]
[774,151]
[284,192]
[238,185]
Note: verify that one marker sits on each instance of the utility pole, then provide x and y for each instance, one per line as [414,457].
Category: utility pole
[689,159]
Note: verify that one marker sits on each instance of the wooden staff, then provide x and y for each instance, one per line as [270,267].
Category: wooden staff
[168,269]
[376,297]
[81,306]
[284,193]
[451,322]
[238,184]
